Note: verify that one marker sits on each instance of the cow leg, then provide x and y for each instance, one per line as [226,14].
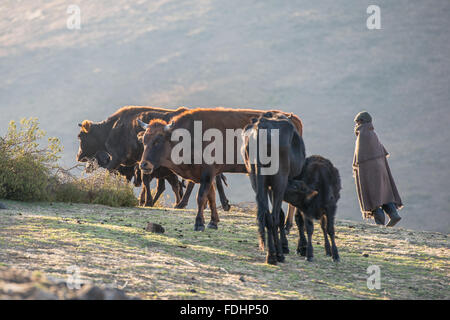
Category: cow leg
[160,188]
[212,205]
[302,243]
[280,225]
[137,176]
[182,186]
[277,192]
[289,219]
[323,224]
[146,179]
[184,201]
[271,257]
[283,238]
[330,228]
[176,186]
[265,220]
[142,197]
[309,231]
[223,198]
[202,197]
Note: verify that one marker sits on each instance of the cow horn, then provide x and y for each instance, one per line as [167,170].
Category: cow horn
[312,195]
[142,124]
[169,126]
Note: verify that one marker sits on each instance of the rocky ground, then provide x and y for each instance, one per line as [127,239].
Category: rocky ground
[19,284]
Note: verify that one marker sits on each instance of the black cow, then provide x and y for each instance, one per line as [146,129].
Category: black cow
[320,175]
[291,154]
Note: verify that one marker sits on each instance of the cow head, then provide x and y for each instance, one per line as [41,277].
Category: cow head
[101,159]
[156,142]
[89,141]
[298,193]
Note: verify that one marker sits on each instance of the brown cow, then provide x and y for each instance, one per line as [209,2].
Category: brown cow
[158,148]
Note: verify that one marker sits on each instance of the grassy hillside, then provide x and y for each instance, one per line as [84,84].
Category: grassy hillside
[110,246]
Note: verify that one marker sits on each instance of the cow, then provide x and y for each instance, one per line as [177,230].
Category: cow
[158,147]
[115,141]
[277,133]
[319,175]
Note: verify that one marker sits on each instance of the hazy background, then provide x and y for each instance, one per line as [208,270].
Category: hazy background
[314,58]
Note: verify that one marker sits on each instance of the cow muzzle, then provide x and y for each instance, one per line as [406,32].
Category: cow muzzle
[81,157]
[146,167]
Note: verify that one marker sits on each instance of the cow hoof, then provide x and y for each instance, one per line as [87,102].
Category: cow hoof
[181,205]
[212,225]
[302,252]
[336,259]
[199,227]
[148,205]
[286,250]
[310,259]
[226,207]
[271,260]
[287,228]
[281,258]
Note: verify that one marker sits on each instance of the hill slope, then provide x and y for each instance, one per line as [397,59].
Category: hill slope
[314,58]
[109,246]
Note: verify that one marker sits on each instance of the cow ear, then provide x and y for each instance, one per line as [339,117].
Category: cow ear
[140,135]
[254,120]
[86,126]
[291,115]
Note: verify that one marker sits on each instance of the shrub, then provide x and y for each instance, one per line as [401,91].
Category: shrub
[30,172]
[99,187]
[26,167]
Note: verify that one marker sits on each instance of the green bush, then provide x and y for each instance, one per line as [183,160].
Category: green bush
[30,172]
[26,167]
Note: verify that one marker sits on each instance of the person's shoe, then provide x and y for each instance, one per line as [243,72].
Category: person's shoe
[391,211]
[394,218]
[378,216]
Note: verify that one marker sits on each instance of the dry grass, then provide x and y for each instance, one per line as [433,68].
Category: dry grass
[110,246]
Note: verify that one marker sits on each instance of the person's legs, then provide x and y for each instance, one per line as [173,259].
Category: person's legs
[391,211]
[378,216]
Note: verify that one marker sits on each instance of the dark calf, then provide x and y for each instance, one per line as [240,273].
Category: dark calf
[315,200]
